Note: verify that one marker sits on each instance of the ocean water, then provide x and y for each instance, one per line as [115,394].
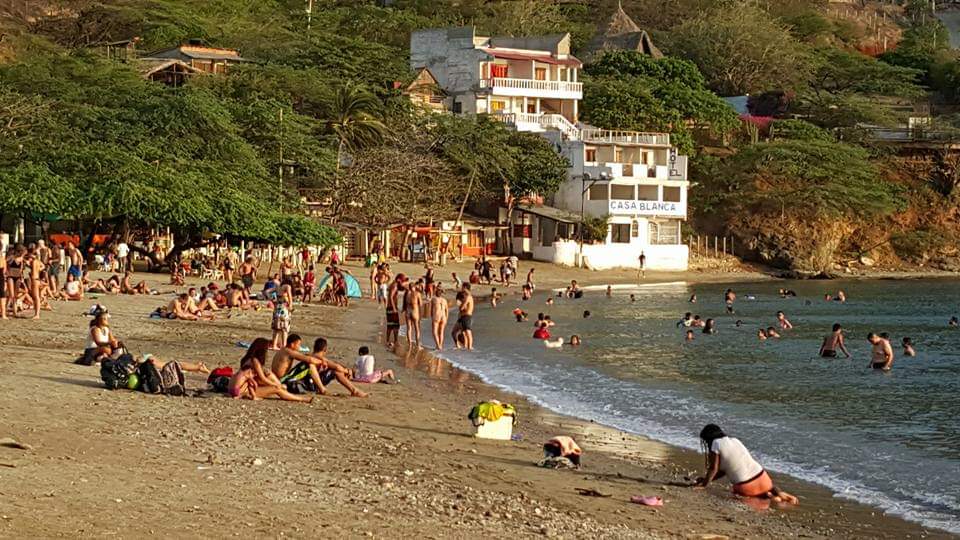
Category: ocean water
[891,440]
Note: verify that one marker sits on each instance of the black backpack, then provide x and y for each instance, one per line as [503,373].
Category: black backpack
[150,381]
[115,373]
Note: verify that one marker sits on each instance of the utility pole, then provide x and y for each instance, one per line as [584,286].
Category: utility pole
[281,155]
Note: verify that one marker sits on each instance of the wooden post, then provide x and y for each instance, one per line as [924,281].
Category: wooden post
[732,252]
[716,247]
[724,246]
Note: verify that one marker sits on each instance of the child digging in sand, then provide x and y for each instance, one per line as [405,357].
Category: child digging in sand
[364,371]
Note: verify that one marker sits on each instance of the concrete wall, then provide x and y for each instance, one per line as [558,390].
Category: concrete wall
[607,256]
[450,55]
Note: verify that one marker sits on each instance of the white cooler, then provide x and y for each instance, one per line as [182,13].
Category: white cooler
[501,430]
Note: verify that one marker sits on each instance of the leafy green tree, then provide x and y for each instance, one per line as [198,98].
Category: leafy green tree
[629,90]
[741,50]
[800,130]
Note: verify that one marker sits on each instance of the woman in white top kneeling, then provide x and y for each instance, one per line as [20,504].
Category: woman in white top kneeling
[727,456]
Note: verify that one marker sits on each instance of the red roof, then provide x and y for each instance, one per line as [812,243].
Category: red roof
[539,57]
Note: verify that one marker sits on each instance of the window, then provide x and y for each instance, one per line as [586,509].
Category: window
[618,155]
[563,230]
[497,106]
[457,107]
[671,194]
[664,232]
[598,192]
[620,233]
[540,74]
[499,71]
[635,229]
[522,231]
[647,193]
[591,155]
[621,192]
[628,169]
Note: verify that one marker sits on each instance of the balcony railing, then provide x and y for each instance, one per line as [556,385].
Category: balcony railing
[625,137]
[532,84]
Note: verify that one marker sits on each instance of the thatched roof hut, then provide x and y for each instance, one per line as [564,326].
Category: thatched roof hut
[620,33]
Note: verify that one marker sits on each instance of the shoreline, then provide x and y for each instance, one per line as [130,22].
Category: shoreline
[830,511]
[639,457]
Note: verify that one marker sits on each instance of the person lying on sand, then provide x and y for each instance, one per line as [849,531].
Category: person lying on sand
[127,286]
[727,456]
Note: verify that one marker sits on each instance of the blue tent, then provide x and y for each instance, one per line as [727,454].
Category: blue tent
[353,286]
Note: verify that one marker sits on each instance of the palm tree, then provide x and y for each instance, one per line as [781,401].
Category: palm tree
[353,116]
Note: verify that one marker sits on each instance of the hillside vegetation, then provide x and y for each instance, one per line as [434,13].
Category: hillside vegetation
[81,136]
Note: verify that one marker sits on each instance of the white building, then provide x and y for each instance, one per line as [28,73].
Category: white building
[637,180]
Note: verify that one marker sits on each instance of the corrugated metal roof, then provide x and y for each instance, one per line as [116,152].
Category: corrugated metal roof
[550,212]
[539,57]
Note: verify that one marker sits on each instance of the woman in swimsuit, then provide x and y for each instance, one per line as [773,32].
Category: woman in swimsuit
[727,456]
[14,275]
[254,382]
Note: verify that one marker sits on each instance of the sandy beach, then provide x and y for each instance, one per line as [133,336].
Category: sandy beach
[401,463]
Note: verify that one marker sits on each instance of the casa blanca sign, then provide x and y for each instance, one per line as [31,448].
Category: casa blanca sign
[648,208]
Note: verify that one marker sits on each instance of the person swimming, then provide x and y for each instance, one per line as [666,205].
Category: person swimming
[609,291]
[693,299]
[575,340]
[550,301]
[739,323]
[840,297]
[633,298]
[520,314]
[709,327]
[908,349]
[762,334]
[689,335]
[586,314]
[783,321]
[772,332]
[686,321]
[954,321]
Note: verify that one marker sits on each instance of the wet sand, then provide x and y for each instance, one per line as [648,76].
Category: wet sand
[400,463]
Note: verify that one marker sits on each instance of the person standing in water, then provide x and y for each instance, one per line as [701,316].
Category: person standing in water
[438,317]
[727,456]
[908,349]
[828,349]
[881,354]
[465,321]
[729,298]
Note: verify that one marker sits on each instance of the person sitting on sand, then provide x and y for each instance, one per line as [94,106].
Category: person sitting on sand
[72,290]
[772,332]
[828,349]
[100,340]
[908,349]
[182,309]
[250,382]
[727,456]
[320,370]
[127,287]
[364,371]
[783,321]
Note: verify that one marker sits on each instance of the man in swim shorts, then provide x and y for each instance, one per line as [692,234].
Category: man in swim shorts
[465,321]
[828,349]
[393,312]
[881,353]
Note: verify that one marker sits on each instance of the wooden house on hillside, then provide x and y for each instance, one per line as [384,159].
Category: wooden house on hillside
[620,33]
[425,91]
[200,57]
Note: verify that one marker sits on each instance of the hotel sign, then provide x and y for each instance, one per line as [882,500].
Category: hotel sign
[648,208]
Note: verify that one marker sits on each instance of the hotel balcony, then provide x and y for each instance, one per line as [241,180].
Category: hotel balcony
[533,88]
[625,137]
[633,171]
